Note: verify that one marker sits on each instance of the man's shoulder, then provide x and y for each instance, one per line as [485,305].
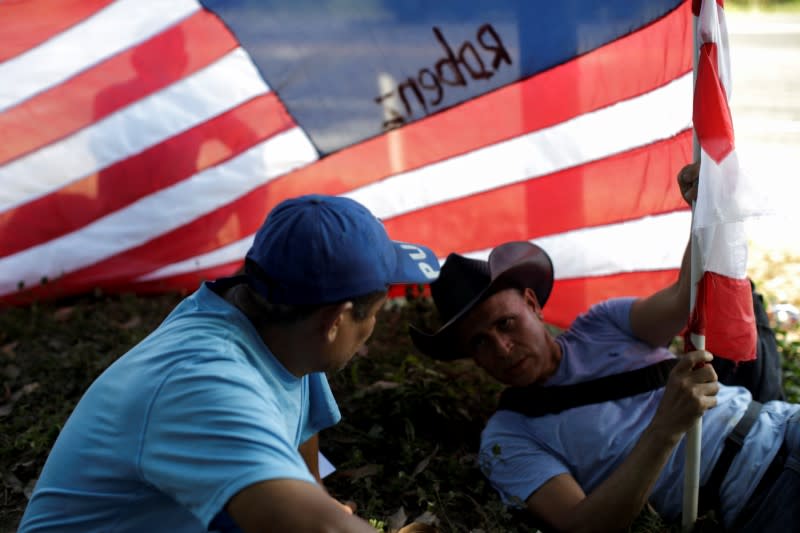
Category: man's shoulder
[608,320]
[504,423]
[609,309]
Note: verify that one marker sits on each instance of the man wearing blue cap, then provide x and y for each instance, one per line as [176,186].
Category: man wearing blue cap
[199,426]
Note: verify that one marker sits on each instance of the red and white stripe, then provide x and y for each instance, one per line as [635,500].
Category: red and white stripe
[723,311]
[110,152]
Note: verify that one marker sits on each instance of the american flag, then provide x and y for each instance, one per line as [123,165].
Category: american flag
[145,141]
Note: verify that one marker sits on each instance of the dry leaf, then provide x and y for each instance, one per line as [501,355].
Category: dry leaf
[343,439]
[12,482]
[26,389]
[380,385]
[5,410]
[62,314]
[131,323]
[427,518]
[418,527]
[424,463]
[28,490]
[361,472]
[8,349]
[397,520]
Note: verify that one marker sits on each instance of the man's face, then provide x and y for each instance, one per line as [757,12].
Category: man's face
[352,334]
[505,336]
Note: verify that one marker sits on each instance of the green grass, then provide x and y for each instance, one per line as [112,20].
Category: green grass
[406,445]
[764,6]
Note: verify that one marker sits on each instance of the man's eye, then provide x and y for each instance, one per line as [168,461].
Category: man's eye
[505,324]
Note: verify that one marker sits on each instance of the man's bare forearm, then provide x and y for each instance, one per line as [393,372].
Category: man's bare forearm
[616,502]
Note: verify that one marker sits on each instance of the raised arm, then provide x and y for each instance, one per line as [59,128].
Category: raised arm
[617,501]
[658,318]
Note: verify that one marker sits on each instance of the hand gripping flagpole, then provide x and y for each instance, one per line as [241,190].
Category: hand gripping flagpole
[691,479]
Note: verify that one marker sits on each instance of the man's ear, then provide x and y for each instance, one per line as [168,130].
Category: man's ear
[532,301]
[330,319]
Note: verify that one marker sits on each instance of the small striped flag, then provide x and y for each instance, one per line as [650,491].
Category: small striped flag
[723,311]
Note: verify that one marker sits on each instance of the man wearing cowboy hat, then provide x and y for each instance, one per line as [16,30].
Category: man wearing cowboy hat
[593,464]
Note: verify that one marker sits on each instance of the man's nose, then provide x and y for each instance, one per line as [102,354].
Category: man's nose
[502,346]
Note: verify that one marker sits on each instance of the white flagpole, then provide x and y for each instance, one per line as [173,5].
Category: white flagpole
[691,480]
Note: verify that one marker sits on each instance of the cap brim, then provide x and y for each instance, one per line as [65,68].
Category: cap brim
[415,264]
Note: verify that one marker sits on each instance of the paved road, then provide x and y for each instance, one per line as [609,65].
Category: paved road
[765,66]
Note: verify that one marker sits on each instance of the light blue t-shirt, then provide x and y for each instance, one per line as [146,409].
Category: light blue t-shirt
[519,454]
[197,411]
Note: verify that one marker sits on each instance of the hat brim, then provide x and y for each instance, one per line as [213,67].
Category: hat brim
[516,264]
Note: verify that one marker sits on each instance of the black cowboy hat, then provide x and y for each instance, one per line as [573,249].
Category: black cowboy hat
[465,282]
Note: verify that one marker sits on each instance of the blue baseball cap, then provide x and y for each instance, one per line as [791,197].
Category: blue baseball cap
[318,249]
